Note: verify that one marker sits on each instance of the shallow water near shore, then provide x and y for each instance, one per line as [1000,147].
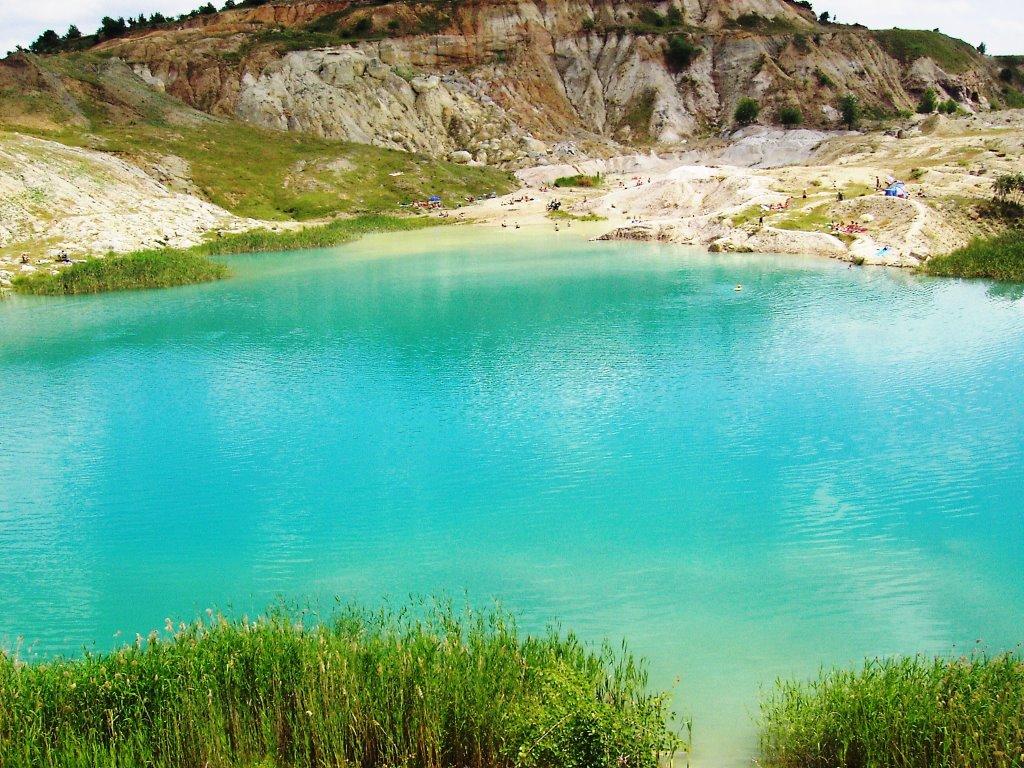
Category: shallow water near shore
[826,465]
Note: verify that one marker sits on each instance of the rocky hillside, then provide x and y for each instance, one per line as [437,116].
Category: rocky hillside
[515,82]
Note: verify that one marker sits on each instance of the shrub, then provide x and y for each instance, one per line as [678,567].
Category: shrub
[949,107]
[1013,98]
[791,116]
[361,689]
[580,180]
[1008,187]
[47,42]
[929,102]
[850,109]
[651,17]
[682,52]
[900,713]
[747,111]
[823,78]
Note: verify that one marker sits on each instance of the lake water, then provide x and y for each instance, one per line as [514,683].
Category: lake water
[824,466]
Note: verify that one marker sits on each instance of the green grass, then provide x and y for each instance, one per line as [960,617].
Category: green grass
[164,268]
[140,270]
[997,258]
[909,45]
[580,180]
[901,713]
[249,171]
[358,689]
[755,22]
[810,219]
[561,215]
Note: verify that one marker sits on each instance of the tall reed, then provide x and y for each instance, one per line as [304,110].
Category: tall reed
[900,713]
[425,689]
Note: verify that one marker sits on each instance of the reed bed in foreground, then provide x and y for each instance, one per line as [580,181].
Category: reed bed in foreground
[997,258]
[362,689]
[900,713]
[169,267]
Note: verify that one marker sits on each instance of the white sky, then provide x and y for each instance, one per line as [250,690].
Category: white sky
[999,23]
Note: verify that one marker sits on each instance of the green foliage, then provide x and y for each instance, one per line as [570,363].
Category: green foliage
[747,111]
[47,42]
[850,109]
[580,180]
[791,116]
[997,258]
[166,267]
[824,80]
[900,713]
[561,215]
[929,102]
[426,688]
[949,107]
[651,17]
[755,22]
[909,45]
[145,269]
[1009,186]
[681,51]
[1013,99]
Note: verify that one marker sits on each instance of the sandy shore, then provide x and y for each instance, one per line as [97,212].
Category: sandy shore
[771,191]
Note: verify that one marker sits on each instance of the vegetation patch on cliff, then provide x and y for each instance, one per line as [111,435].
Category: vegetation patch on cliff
[428,688]
[900,713]
[909,45]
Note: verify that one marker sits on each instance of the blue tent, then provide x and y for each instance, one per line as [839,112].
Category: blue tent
[899,189]
[435,199]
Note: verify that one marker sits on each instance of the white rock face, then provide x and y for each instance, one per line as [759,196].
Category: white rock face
[81,202]
[348,94]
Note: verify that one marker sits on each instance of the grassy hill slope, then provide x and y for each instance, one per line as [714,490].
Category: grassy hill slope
[92,101]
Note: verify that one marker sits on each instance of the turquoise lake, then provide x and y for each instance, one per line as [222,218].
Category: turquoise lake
[826,465]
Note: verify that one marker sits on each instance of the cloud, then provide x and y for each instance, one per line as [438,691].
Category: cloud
[998,23]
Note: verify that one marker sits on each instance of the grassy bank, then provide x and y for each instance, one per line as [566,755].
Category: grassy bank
[998,258]
[905,713]
[98,103]
[361,689]
[164,268]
